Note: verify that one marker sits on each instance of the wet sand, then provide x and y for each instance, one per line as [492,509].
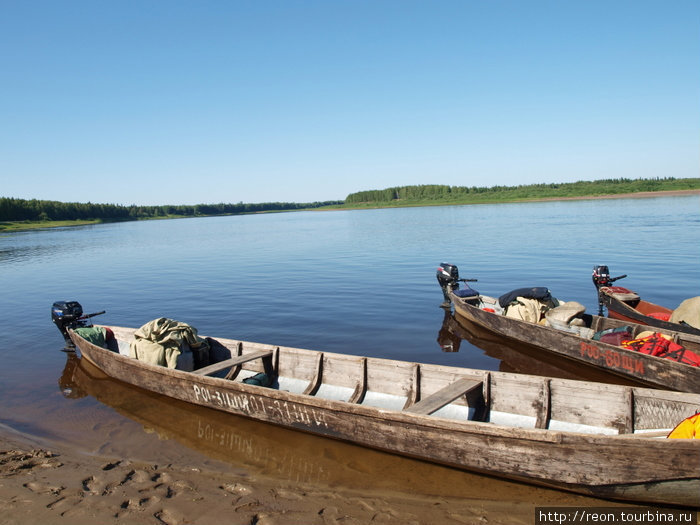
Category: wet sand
[43,486]
[38,486]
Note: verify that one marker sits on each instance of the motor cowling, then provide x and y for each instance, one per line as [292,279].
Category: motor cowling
[601,276]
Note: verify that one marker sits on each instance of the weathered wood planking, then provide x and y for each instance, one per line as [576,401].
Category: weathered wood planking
[621,466]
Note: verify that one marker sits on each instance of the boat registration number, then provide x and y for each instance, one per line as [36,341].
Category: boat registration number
[612,358]
[273,409]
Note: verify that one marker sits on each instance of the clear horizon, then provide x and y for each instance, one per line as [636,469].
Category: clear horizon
[152,103]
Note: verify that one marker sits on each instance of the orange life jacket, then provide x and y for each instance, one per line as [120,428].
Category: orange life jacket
[689,428]
[657,345]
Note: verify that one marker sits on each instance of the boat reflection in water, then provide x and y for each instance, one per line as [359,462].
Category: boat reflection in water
[516,357]
[287,455]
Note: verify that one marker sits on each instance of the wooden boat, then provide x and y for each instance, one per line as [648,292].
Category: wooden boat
[302,458]
[596,439]
[627,305]
[646,369]
[567,341]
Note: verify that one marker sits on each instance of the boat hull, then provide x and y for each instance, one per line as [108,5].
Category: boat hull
[618,467]
[645,369]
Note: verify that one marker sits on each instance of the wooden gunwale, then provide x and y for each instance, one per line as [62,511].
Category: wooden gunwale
[646,369]
[539,456]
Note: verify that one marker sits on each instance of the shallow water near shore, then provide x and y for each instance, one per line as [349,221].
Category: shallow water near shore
[356,282]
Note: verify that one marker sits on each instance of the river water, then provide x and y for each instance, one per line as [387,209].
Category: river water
[357,282]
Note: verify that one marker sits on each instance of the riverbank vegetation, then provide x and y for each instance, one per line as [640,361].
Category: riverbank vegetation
[434,194]
[21,214]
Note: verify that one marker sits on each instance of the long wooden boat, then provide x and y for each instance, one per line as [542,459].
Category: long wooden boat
[646,369]
[628,306]
[572,338]
[597,439]
[303,458]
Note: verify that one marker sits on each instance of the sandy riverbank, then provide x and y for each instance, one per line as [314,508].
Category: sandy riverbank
[43,486]
[40,486]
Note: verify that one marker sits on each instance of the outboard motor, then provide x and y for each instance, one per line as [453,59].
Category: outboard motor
[68,315]
[601,277]
[448,278]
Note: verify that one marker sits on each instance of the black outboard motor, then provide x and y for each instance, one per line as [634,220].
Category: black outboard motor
[601,277]
[68,315]
[448,278]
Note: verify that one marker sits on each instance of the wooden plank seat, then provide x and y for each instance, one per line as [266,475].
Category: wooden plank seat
[444,396]
[234,361]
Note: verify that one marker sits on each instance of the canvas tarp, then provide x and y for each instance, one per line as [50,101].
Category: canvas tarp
[161,341]
[96,335]
[526,309]
[687,312]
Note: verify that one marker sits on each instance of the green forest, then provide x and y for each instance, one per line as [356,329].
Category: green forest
[436,194]
[13,210]
[21,214]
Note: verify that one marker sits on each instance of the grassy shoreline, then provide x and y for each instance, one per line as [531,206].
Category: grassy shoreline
[488,200]
[16,226]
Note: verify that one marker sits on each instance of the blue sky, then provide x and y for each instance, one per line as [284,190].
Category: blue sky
[173,102]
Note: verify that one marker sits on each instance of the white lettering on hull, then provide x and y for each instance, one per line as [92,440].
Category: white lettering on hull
[283,411]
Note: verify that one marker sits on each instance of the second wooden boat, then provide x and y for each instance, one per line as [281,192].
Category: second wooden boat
[575,341]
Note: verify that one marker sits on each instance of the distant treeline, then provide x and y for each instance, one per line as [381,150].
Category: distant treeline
[40,210]
[456,194]
[16,210]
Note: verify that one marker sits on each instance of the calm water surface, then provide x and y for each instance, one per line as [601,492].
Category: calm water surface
[357,282]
